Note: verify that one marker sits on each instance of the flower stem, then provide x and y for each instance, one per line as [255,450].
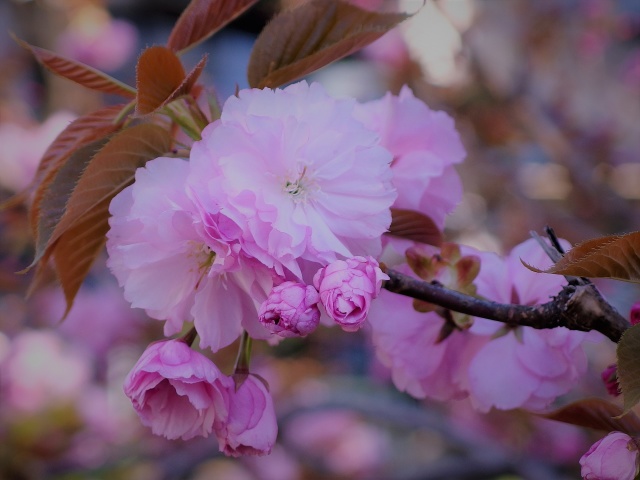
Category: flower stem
[190,336]
[183,114]
[244,354]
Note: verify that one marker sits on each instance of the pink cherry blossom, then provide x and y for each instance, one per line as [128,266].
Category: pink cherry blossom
[614,457]
[23,147]
[425,146]
[522,367]
[634,314]
[178,392]
[346,289]
[409,342]
[169,262]
[99,41]
[291,310]
[251,428]
[610,379]
[296,174]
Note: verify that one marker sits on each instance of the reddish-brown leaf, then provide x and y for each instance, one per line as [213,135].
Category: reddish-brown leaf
[299,41]
[188,83]
[79,235]
[628,353]
[201,19]
[616,256]
[78,72]
[414,226]
[598,414]
[111,170]
[76,250]
[56,190]
[81,131]
[159,73]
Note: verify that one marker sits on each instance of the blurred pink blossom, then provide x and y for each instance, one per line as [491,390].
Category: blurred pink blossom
[389,50]
[98,41]
[614,457]
[251,428]
[291,310]
[425,145]
[178,392]
[100,317]
[346,289]
[297,174]
[346,444]
[23,147]
[41,369]
[634,314]
[162,253]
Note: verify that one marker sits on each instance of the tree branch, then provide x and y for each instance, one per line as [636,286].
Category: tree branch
[577,307]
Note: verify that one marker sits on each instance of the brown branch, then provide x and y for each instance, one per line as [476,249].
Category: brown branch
[577,307]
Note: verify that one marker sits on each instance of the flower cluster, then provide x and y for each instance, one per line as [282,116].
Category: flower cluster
[274,223]
[180,393]
[496,366]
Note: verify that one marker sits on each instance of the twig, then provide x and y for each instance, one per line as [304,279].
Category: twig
[577,307]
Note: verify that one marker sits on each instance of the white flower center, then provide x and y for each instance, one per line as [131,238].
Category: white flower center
[204,258]
[300,188]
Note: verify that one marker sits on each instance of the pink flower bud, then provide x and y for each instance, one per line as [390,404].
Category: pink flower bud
[178,392]
[291,310]
[610,378]
[634,314]
[614,456]
[252,428]
[346,289]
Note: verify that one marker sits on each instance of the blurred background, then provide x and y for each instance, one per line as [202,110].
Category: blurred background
[546,96]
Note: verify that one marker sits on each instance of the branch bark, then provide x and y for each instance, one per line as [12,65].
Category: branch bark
[577,307]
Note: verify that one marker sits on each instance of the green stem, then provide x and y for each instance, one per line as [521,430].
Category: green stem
[197,114]
[189,337]
[183,116]
[124,112]
[244,354]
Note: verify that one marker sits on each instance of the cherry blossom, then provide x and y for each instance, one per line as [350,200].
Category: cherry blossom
[297,174]
[346,289]
[161,253]
[178,392]
[413,345]
[614,457]
[425,146]
[251,428]
[522,367]
[291,310]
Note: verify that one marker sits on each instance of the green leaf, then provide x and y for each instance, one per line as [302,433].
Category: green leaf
[201,19]
[598,414]
[628,352]
[302,40]
[78,72]
[616,256]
